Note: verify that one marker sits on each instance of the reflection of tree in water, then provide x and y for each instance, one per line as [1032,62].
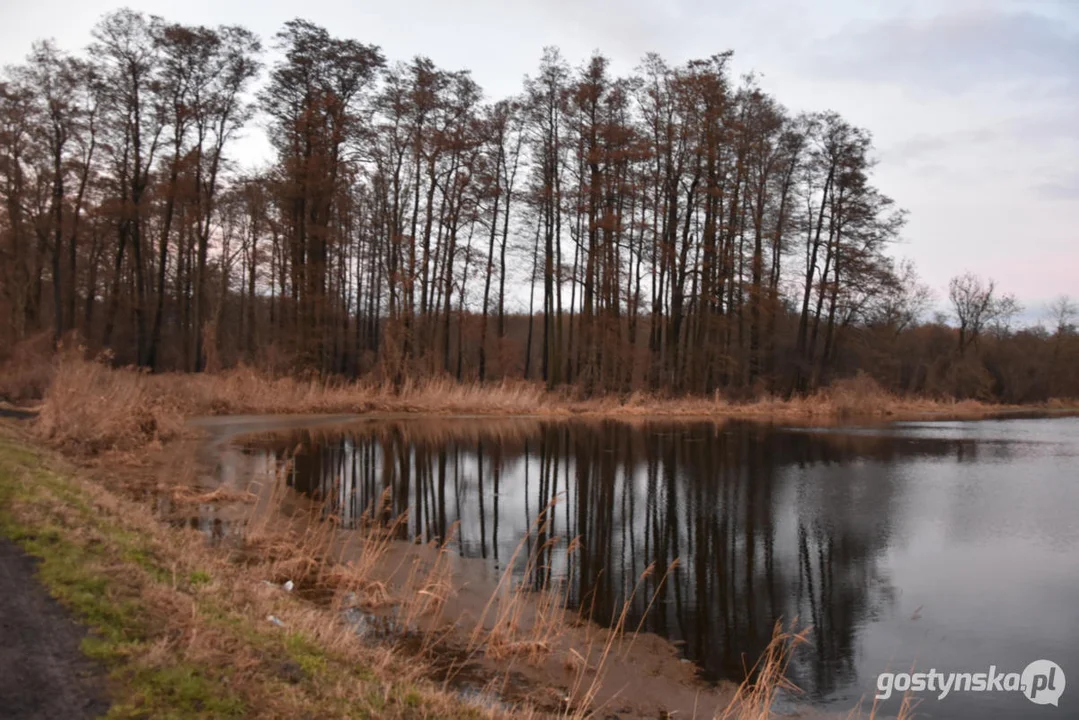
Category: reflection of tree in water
[764,523]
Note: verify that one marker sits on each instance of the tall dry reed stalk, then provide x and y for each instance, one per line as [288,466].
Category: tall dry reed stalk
[755,697]
[510,632]
[426,596]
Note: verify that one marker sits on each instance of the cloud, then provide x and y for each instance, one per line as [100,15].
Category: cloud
[931,145]
[956,53]
[1060,188]
[1062,125]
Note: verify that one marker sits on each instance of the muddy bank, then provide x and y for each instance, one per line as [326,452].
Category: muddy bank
[461,608]
[481,629]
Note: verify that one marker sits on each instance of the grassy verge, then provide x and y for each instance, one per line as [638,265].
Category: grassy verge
[183,632]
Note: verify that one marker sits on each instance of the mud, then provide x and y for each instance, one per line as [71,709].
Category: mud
[43,673]
[574,665]
[577,664]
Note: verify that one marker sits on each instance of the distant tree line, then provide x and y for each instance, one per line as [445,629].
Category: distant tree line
[676,229]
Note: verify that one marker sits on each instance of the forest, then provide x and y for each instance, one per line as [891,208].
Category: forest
[676,230]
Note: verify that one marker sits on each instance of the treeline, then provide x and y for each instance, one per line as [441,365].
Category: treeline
[675,229]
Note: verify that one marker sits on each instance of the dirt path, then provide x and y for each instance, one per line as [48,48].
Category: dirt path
[43,673]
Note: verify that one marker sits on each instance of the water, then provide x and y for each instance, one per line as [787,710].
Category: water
[939,545]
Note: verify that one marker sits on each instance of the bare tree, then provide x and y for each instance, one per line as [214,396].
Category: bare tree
[976,305]
[1063,312]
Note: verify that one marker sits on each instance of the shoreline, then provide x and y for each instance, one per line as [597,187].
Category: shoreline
[483,631]
[141,438]
[180,628]
[90,408]
[462,649]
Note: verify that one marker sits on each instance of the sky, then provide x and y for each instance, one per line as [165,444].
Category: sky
[973,104]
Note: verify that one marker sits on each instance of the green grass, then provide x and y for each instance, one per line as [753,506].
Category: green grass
[175,641]
[50,520]
[306,654]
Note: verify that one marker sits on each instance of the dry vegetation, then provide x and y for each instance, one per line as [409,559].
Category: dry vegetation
[90,406]
[188,631]
[216,615]
[183,629]
[26,374]
[500,626]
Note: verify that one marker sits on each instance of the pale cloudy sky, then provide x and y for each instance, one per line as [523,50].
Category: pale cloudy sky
[974,104]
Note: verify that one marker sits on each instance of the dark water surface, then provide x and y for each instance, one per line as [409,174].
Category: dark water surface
[938,545]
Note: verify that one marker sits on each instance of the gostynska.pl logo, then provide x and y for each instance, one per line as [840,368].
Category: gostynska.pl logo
[1041,682]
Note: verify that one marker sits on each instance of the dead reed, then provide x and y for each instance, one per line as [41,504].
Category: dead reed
[755,697]
[90,407]
[582,697]
[427,594]
[507,632]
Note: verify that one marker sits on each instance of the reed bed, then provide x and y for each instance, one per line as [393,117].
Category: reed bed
[90,407]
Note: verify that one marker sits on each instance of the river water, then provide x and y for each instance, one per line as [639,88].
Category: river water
[947,546]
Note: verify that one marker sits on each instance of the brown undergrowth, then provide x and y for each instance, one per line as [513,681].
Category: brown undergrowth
[90,407]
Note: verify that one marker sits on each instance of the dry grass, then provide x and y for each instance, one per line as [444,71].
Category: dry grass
[90,407]
[519,620]
[427,595]
[322,559]
[755,698]
[184,495]
[584,696]
[183,629]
